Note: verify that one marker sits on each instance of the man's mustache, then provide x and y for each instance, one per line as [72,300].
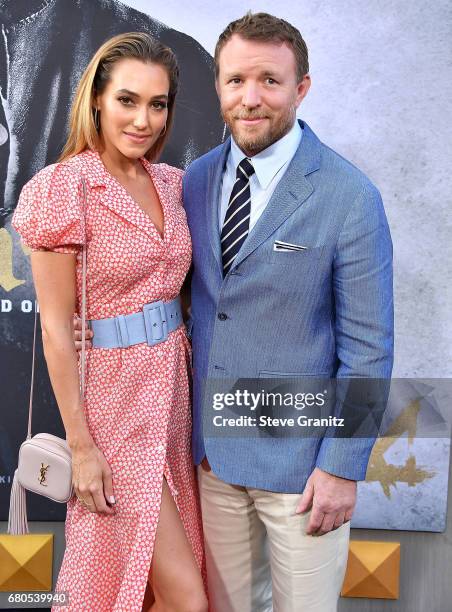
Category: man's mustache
[249,116]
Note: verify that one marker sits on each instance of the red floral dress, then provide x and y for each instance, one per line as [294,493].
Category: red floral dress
[137,401]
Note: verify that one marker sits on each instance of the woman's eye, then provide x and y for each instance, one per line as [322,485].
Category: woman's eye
[159,105]
[125,100]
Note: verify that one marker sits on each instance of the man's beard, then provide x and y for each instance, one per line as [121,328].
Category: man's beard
[252,145]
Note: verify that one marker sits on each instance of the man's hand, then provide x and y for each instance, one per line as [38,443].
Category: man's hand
[332,500]
[78,334]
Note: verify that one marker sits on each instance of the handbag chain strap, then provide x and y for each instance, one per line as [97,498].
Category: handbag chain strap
[83,351]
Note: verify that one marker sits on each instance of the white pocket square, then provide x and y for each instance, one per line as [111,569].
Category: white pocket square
[278,245]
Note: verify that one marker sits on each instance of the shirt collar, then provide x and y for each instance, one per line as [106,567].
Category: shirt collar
[269,162]
[97,174]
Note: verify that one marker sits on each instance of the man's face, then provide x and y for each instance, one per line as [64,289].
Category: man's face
[259,92]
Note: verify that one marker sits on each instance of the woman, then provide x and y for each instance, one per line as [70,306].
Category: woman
[133,530]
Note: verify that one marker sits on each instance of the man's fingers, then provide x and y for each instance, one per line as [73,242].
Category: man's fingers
[77,324]
[348,515]
[315,521]
[306,499]
[340,519]
[78,339]
[78,334]
[327,524]
[78,345]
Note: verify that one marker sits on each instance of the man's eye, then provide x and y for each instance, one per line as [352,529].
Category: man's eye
[271,81]
[235,81]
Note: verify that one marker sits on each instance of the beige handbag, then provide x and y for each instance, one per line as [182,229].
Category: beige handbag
[45,464]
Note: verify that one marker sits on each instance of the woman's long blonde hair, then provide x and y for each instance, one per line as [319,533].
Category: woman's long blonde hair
[83,133]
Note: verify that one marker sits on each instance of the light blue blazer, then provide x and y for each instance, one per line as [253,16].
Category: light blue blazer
[323,311]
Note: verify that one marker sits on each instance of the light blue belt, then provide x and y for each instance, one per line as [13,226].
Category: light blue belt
[151,325]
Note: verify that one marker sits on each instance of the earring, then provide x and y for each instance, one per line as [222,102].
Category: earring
[96,119]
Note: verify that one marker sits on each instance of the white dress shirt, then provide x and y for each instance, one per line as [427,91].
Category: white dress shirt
[269,165]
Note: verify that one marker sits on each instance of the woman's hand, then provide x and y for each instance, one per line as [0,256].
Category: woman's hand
[92,480]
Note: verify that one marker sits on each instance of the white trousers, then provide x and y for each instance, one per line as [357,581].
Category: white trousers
[259,558]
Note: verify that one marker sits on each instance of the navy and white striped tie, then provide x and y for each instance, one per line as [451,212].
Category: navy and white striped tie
[237,220]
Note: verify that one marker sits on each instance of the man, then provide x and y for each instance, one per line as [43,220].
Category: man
[292,277]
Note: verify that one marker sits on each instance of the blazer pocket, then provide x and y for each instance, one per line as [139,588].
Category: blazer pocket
[269,374]
[292,258]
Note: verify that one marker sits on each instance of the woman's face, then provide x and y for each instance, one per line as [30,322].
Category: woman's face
[133,108]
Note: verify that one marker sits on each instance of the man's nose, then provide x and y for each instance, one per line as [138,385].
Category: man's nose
[251,95]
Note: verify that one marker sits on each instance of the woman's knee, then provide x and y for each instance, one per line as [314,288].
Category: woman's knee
[201,605]
[193,602]
[196,604]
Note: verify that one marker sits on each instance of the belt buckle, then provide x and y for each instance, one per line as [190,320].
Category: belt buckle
[122,332]
[155,322]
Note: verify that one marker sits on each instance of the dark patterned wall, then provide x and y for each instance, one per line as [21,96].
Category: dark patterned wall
[44,47]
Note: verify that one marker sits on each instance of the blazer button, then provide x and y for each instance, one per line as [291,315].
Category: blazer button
[222,316]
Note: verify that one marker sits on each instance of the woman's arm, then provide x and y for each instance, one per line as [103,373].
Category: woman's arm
[55,283]
[54,278]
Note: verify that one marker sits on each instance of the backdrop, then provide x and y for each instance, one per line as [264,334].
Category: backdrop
[380,95]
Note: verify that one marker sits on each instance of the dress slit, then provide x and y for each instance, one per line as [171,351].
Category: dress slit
[166,476]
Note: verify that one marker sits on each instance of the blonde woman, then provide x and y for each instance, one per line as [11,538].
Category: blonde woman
[133,529]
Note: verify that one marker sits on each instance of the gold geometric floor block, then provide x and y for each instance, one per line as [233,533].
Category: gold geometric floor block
[26,562]
[373,570]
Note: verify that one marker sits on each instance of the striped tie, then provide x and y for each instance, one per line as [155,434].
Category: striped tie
[237,220]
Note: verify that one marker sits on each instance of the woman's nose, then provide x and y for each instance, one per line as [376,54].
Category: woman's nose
[141,120]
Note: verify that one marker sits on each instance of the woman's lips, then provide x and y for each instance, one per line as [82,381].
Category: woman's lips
[140,139]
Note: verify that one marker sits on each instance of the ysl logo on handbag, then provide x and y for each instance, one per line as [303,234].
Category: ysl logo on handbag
[42,474]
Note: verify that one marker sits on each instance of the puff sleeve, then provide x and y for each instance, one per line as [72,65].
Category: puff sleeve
[49,215]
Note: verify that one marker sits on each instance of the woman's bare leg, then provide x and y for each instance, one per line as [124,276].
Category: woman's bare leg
[174,577]
[148,598]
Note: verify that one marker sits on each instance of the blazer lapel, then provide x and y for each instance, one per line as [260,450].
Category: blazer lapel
[292,190]
[215,177]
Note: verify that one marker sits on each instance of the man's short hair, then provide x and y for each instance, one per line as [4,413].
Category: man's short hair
[266,28]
